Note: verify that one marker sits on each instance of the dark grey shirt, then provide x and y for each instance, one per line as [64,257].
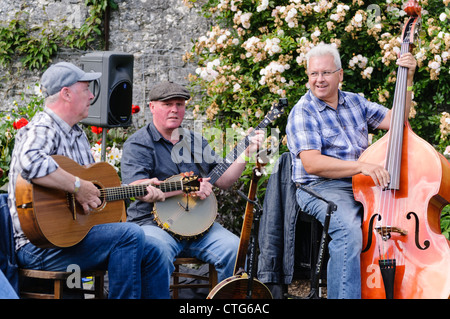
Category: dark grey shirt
[147,154]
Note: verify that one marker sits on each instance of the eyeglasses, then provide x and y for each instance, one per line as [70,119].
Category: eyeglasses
[324,74]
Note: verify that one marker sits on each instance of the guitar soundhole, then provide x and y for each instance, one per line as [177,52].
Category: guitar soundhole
[102,196]
[73,205]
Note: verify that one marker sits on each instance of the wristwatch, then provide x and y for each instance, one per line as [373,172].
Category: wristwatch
[77,185]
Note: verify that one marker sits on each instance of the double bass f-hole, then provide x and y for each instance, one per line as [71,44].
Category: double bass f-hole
[385,232]
[426,243]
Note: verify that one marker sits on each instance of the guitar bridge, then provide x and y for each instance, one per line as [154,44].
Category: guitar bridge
[71,204]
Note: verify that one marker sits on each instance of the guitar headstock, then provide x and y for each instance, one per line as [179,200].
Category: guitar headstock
[191,182]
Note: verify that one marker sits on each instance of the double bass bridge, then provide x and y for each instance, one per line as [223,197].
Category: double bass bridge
[385,231]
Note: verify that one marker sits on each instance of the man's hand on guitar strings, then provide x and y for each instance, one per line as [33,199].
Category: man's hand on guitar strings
[153,194]
[88,196]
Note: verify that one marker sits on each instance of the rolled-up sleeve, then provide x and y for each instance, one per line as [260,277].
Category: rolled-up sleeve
[33,154]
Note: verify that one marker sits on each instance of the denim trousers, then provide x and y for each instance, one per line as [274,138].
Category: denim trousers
[133,264]
[343,270]
[6,290]
[217,246]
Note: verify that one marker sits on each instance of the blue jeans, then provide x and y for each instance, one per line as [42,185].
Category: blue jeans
[343,273]
[6,290]
[120,248]
[218,246]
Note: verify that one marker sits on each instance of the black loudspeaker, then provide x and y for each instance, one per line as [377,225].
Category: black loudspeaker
[113,92]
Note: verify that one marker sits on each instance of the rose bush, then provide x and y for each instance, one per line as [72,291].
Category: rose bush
[255,54]
[255,51]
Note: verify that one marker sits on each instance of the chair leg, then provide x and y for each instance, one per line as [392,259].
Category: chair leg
[175,282]
[58,289]
[212,276]
[99,282]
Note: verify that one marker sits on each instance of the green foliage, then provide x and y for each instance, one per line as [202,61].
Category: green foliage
[36,46]
[255,54]
[445,221]
[22,112]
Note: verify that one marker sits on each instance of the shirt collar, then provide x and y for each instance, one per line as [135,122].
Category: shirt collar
[321,105]
[156,135]
[66,128]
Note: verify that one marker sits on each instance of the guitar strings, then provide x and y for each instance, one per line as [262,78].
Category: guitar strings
[121,192]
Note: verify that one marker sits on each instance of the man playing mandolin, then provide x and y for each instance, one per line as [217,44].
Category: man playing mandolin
[120,248]
[163,149]
[327,131]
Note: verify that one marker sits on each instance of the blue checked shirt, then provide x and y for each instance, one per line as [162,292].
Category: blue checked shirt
[45,135]
[340,133]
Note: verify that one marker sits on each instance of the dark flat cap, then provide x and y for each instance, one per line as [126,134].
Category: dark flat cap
[168,90]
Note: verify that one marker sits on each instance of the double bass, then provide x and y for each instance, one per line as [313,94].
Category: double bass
[404,253]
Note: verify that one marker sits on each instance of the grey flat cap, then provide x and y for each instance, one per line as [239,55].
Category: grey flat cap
[64,74]
[168,90]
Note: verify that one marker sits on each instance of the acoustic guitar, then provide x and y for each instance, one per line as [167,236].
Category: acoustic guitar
[188,217]
[53,218]
[242,285]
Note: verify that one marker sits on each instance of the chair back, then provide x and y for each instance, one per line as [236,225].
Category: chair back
[8,262]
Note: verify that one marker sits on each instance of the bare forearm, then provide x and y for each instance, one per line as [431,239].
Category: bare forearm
[329,167]
[59,179]
[325,166]
[231,175]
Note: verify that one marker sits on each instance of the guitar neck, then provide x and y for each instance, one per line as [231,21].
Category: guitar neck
[235,153]
[124,192]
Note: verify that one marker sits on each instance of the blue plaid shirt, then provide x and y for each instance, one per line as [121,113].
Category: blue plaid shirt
[340,133]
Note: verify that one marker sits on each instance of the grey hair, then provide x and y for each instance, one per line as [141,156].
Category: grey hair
[324,49]
[49,100]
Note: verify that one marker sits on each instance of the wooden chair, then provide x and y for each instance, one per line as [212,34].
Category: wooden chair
[57,281]
[210,280]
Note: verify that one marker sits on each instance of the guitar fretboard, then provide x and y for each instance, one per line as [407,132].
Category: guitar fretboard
[123,192]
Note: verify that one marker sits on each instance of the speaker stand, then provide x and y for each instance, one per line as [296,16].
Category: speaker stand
[104,134]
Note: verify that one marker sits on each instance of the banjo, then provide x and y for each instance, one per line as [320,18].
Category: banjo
[185,216]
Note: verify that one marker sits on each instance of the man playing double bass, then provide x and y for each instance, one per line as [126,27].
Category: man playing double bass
[327,132]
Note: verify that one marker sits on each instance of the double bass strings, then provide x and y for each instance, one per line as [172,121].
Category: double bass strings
[389,208]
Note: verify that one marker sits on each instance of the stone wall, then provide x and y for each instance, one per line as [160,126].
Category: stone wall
[156,32]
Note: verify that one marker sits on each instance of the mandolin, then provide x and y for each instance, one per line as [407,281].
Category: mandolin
[53,218]
[242,285]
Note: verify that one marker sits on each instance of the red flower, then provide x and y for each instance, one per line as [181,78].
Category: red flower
[135,109]
[96,129]
[20,123]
